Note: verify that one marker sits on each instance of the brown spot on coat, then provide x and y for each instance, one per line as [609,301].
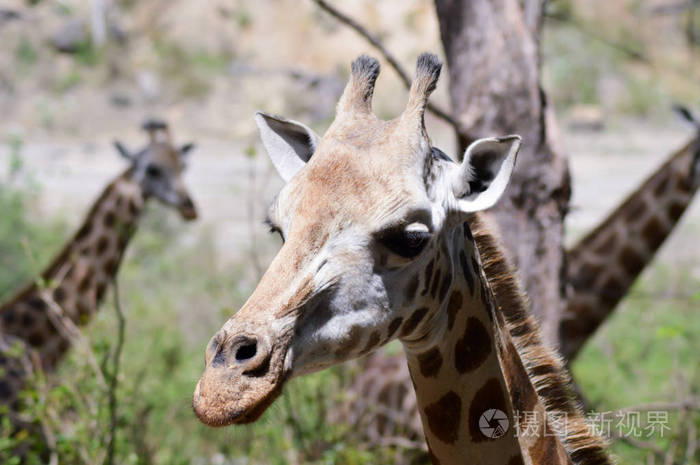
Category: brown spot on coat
[102,245]
[654,233]
[675,211]
[109,219]
[36,339]
[489,396]
[59,295]
[372,342]
[111,266]
[27,320]
[394,326]
[133,208]
[37,303]
[586,276]
[413,321]
[8,317]
[430,362]
[101,288]
[436,282]
[443,417]
[349,343]
[661,187]
[472,349]
[612,291]
[631,261]
[84,311]
[683,185]
[85,283]
[428,275]
[84,231]
[446,283]
[516,460]
[453,307]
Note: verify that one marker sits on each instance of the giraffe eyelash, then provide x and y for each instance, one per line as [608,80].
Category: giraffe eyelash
[272,227]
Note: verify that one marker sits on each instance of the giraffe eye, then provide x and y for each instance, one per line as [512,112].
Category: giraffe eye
[153,171]
[407,243]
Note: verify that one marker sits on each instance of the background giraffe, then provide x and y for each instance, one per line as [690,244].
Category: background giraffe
[605,263]
[376,248]
[37,324]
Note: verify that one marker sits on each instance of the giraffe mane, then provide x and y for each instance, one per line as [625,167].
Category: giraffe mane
[544,367]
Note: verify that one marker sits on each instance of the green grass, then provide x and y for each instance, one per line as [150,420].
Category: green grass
[175,297]
[647,353]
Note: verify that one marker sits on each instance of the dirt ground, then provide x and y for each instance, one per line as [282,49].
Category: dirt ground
[232,189]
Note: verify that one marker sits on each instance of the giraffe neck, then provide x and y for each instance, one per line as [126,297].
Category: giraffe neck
[606,262]
[73,285]
[463,365]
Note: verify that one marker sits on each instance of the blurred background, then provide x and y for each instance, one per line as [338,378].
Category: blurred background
[75,75]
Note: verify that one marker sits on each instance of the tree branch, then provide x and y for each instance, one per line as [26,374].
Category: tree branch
[689,403]
[389,57]
[629,51]
[114,375]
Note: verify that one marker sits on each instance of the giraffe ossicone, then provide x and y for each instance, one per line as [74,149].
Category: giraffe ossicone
[377,247]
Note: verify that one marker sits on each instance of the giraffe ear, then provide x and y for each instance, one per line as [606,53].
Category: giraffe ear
[186,149]
[484,174]
[124,152]
[288,143]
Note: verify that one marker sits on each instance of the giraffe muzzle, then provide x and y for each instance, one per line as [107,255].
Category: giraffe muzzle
[187,209]
[243,376]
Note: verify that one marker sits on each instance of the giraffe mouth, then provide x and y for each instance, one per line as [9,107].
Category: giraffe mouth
[188,213]
[187,209]
[232,415]
[237,393]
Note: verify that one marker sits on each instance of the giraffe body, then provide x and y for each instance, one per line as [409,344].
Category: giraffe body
[377,247]
[605,263]
[36,324]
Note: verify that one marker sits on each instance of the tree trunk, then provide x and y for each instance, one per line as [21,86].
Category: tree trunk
[493,60]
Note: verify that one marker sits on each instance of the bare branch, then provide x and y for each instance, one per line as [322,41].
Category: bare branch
[581,28]
[389,57]
[692,441]
[114,375]
[649,446]
[690,403]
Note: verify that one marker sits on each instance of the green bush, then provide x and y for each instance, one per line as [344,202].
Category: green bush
[175,296]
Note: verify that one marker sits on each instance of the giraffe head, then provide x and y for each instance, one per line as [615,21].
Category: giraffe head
[158,168]
[365,210]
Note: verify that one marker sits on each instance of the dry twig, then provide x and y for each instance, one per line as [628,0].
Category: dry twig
[389,57]
[114,375]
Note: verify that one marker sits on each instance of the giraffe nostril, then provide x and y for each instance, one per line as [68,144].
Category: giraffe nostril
[246,352]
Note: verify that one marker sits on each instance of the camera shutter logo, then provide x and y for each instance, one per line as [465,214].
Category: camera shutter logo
[493,423]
